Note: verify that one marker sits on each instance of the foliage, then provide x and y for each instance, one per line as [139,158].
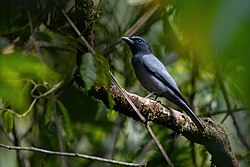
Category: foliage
[204,46]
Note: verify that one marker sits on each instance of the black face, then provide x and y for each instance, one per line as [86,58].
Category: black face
[137,45]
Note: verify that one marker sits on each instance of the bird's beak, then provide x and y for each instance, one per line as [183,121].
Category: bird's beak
[128,40]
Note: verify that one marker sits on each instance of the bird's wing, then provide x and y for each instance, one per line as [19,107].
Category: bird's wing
[153,65]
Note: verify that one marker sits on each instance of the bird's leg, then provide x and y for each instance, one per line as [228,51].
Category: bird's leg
[156,97]
[149,95]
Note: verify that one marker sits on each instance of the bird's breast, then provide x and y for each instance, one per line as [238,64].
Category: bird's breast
[146,78]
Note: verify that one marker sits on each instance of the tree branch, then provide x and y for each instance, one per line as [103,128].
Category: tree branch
[49,152]
[214,138]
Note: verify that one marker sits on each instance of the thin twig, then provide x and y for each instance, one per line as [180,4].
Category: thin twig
[58,85]
[44,44]
[159,145]
[30,20]
[224,111]
[140,22]
[78,33]
[225,95]
[237,127]
[63,159]
[128,99]
[34,100]
[25,113]
[50,152]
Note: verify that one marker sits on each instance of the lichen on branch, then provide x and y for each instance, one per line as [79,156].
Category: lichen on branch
[214,137]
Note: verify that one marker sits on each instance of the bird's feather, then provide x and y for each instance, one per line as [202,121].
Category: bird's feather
[154,66]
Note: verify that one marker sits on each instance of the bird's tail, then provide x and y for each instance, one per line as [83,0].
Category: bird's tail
[191,114]
[184,106]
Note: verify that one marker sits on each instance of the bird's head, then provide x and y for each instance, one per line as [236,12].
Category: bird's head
[137,45]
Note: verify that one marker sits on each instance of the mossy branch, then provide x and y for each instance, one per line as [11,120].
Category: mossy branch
[214,137]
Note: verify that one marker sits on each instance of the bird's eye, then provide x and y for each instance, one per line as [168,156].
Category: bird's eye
[139,40]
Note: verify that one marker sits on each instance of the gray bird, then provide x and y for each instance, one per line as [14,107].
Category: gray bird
[153,76]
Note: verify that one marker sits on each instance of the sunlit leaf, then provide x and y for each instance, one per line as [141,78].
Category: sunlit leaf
[88,70]
[8,121]
[15,72]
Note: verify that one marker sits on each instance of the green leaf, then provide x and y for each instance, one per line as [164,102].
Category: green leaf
[66,119]
[111,100]
[88,70]
[49,111]
[8,121]
[103,77]
[15,70]
[102,67]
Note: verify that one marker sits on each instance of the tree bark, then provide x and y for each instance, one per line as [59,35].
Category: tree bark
[214,137]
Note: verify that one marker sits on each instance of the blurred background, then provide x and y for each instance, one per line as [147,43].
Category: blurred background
[204,45]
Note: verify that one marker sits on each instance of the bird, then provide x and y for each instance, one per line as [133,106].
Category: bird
[153,76]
